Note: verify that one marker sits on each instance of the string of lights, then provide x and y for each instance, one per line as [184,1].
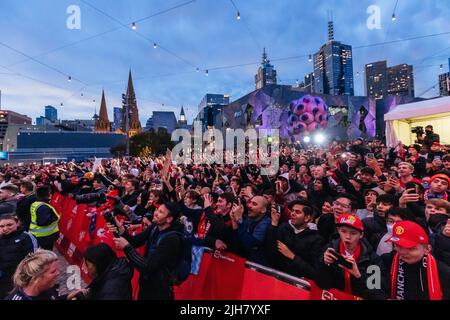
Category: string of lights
[209,69]
[106,32]
[133,27]
[69,77]
[238,17]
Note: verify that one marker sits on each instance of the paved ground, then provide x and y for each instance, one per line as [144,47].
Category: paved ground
[62,281]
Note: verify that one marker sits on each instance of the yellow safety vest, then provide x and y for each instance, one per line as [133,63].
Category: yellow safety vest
[42,231]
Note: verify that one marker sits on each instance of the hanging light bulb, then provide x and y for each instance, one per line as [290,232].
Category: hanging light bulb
[238,16]
[441,66]
[310,58]
[198,70]
[62,104]
[69,79]
[133,26]
[394,17]
[207,73]
[154,45]
[357,73]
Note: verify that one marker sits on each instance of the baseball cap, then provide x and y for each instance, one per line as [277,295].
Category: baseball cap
[408,234]
[350,221]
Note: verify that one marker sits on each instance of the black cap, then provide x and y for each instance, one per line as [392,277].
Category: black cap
[173,209]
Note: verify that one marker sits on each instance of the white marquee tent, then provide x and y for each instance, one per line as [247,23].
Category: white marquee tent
[403,118]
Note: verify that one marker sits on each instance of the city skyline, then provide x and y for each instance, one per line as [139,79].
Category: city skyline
[200,35]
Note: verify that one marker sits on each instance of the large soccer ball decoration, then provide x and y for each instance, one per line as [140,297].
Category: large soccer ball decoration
[306,115]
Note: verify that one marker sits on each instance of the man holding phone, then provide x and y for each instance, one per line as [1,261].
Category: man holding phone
[344,263]
[292,247]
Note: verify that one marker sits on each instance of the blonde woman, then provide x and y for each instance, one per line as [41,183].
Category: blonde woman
[36,276]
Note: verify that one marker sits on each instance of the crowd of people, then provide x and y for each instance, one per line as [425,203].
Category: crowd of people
[328,215]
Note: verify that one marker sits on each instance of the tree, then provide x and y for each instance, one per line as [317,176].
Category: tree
[147,143]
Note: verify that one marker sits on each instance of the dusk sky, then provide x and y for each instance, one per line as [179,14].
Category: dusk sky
[202,34]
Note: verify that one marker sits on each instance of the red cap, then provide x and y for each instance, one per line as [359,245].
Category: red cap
[442,176]
[408,234]
[351,221]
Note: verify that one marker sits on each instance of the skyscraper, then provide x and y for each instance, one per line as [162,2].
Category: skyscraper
[129,103]
[376,84]
[266,73]
[333,67]
[51,113]
[401,80]
[102,124]
[382,80]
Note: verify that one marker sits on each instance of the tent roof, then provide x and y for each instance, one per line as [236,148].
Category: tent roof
[419,109]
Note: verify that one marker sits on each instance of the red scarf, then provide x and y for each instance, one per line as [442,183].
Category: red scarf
[347,275]
[427,192]
[434,286]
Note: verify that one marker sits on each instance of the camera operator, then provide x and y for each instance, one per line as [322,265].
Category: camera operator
[163,240]
[430,137]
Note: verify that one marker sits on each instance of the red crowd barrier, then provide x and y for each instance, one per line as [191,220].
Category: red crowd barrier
[220,278]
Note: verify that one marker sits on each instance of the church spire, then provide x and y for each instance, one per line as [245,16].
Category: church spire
[103,124]
[129,103]
[183,120]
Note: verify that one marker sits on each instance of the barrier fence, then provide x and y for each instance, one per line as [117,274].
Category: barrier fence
[221,276]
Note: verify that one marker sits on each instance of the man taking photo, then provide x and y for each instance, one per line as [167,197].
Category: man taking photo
[163,240]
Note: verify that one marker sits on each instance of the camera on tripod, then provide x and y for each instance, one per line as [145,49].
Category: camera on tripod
[418,130]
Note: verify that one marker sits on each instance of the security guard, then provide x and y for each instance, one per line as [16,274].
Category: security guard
[44,219]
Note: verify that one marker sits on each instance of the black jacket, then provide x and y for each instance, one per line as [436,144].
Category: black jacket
[440,245]
[333,276]
[219,227]
[158,263]
[13,249]
[374,229]
[23,210]
[327,227]
[131,199]
[306,245]
[114,283]
[413,287]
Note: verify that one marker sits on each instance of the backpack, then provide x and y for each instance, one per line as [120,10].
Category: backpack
[182,269]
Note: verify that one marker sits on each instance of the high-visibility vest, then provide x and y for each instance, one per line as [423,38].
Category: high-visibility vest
[42,231]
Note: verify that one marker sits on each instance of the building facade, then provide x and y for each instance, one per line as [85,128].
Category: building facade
[444,84]
[162,119]
[376,84]
[51,113]
[401,80]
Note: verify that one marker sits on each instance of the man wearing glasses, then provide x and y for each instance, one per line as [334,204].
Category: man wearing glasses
[343,204]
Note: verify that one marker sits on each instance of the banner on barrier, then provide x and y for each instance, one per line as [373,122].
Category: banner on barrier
[221,276]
